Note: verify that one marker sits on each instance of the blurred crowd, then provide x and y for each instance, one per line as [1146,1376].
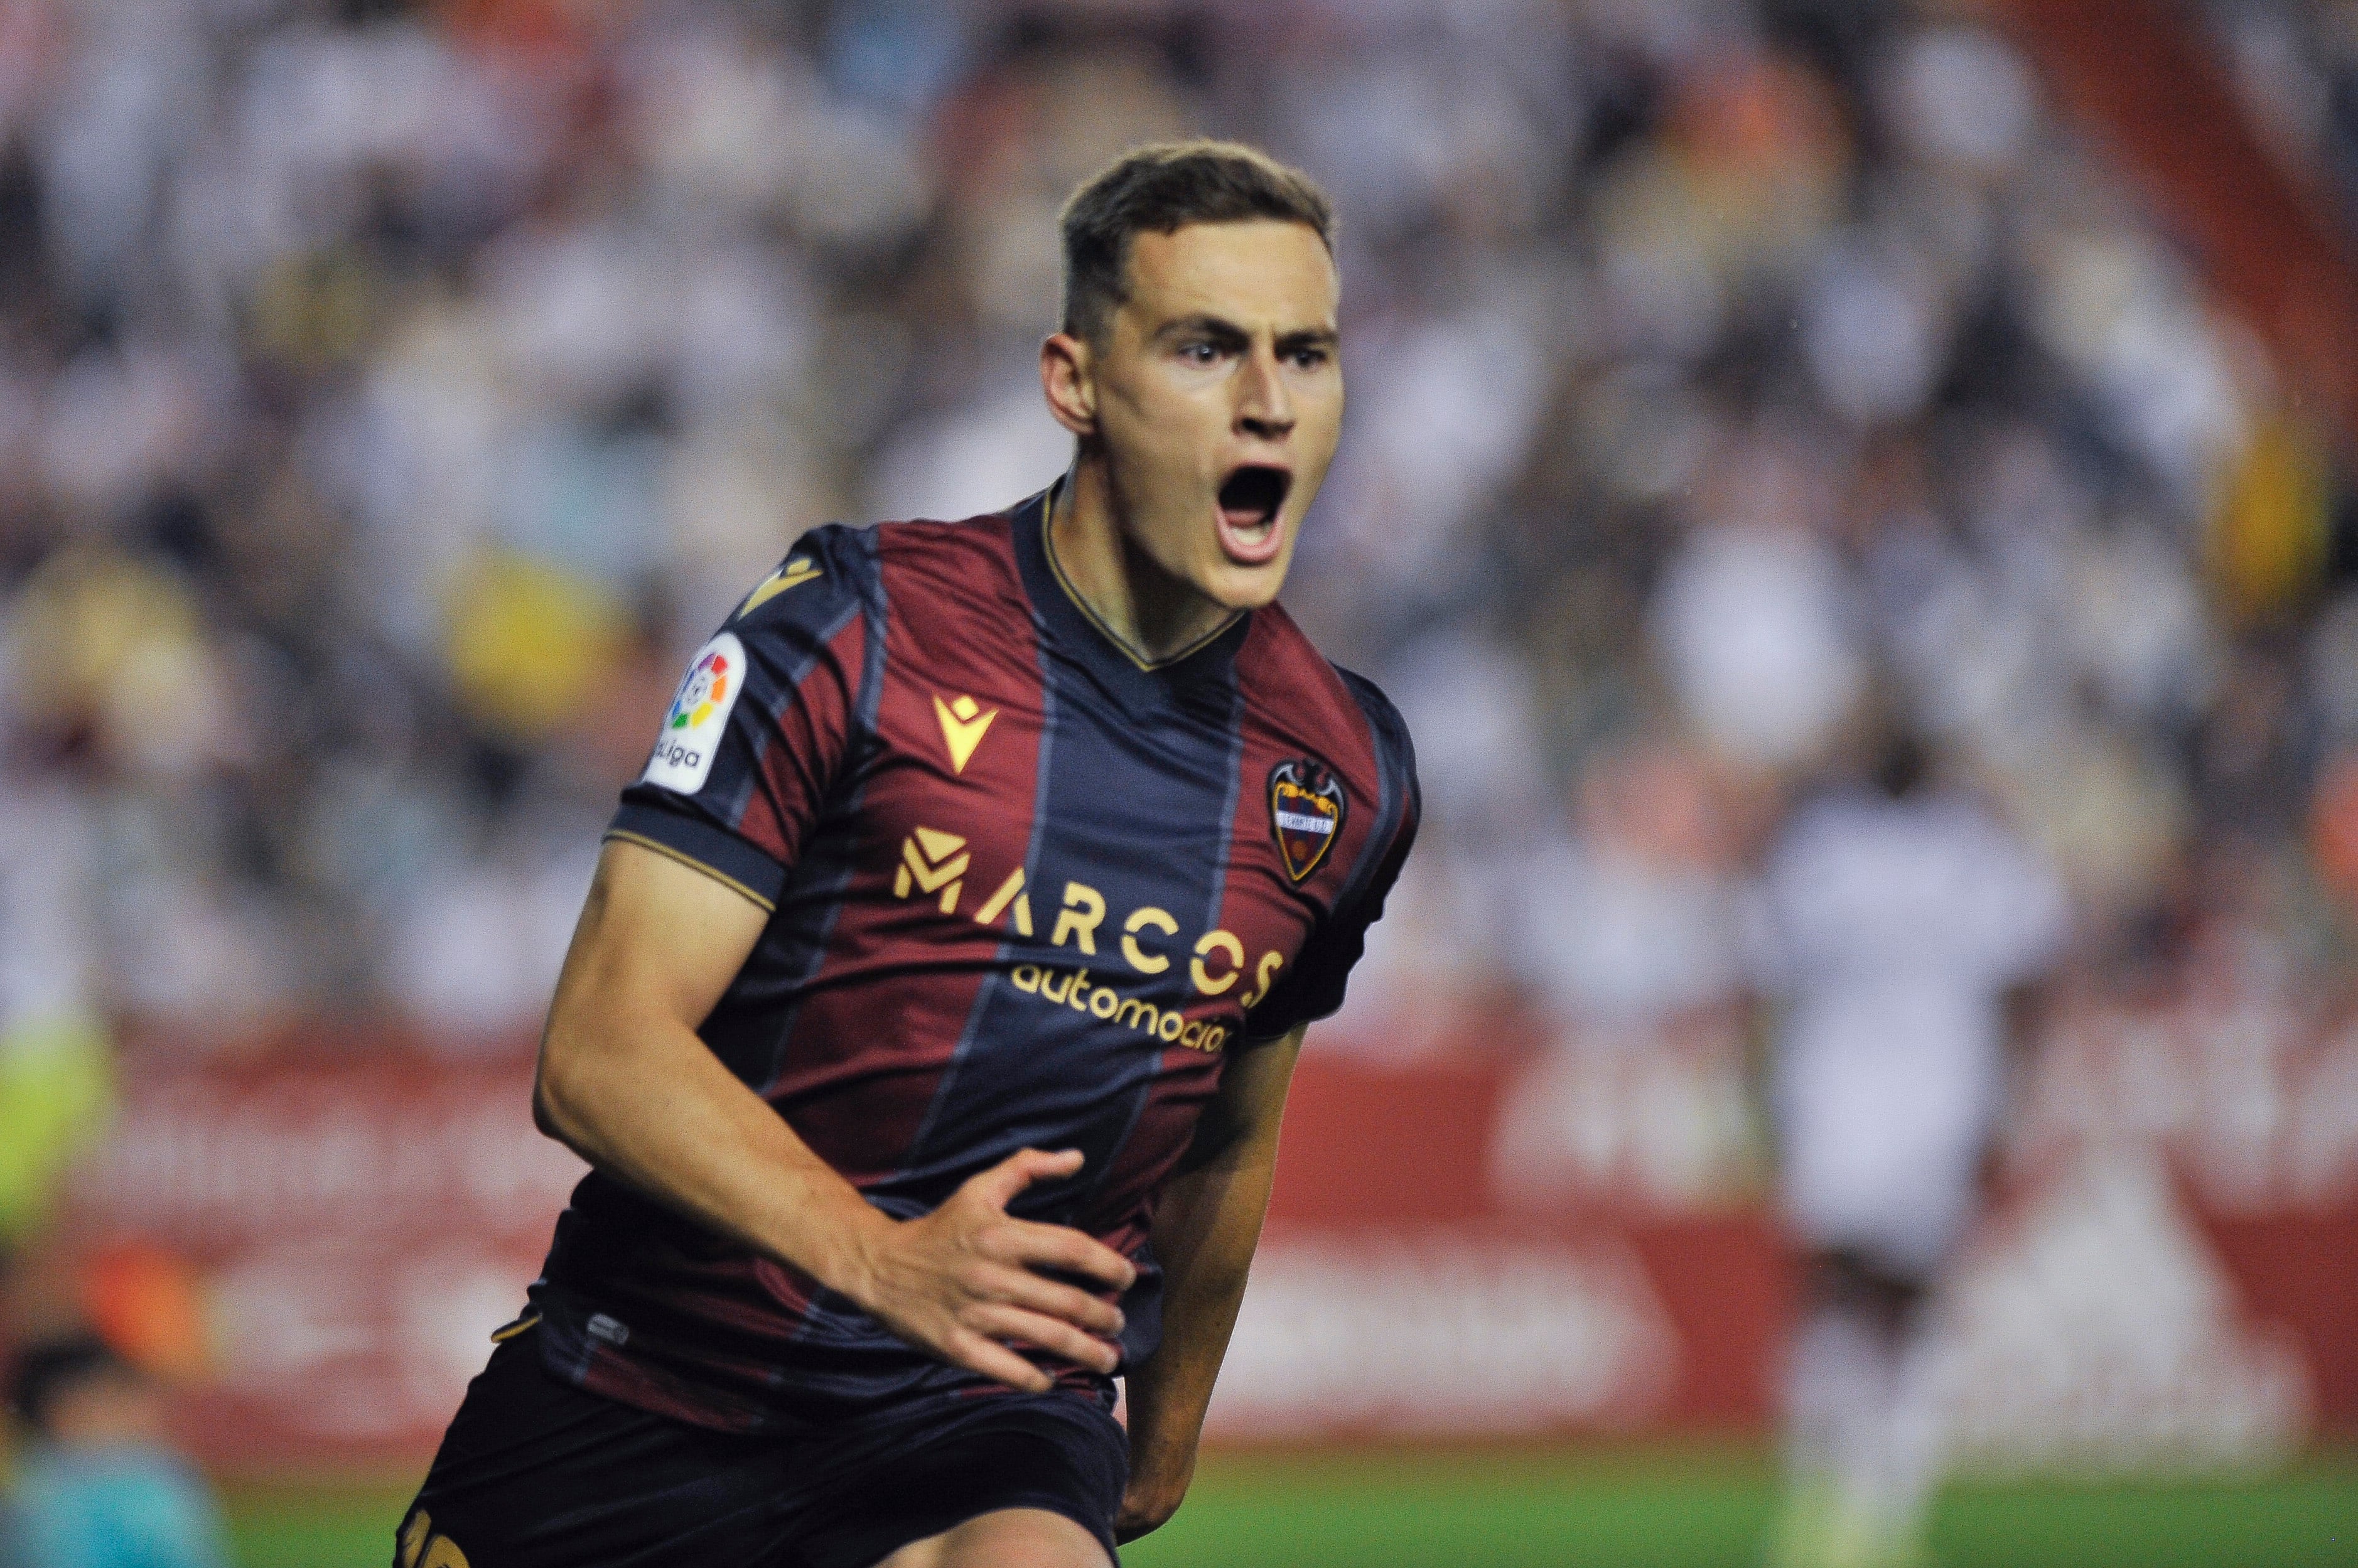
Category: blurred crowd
[392,394]
[2295,67]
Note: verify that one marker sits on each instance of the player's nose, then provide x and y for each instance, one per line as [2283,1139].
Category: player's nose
[1264,404]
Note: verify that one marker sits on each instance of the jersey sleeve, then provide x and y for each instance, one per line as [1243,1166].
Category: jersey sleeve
[765,720]
[1313,989]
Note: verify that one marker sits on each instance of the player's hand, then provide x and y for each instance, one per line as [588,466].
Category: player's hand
[966,1280]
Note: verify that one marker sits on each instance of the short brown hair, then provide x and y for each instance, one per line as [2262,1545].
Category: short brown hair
[1162,189]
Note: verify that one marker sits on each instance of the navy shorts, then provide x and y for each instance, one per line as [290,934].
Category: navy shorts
[535,1473]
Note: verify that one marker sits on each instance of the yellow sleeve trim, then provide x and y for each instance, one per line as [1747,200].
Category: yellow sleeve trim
[693,864]
[524,1324]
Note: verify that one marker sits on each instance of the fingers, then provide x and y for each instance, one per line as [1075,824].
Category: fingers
[967,1278]
[977,1352]
[1060,1246]
[1001,1321]
[998,1185]
[1021,1288]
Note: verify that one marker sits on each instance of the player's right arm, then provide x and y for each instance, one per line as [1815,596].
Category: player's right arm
[625,1082]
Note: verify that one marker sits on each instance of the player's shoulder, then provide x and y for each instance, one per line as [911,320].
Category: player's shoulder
[926,546]
[934,571]
[841,565]
[1384,719]
[1307,694]
[829,578]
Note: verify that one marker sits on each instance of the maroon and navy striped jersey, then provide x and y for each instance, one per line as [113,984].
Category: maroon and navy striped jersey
[1023,890]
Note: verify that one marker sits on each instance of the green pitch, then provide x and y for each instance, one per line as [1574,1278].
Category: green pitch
[1559,1509]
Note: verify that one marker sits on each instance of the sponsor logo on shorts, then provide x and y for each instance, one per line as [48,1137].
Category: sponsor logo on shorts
[422,1548]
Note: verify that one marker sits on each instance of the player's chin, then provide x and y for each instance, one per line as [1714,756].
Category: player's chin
[1244,567]
[1244,585]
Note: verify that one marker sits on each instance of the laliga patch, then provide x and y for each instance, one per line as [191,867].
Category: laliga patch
[1305,812]
[692,729]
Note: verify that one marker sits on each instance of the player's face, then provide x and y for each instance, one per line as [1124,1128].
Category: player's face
[1220,397]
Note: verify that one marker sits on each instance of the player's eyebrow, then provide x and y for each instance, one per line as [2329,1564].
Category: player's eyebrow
[1225,333]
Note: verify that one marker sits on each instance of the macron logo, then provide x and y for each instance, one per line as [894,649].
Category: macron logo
[963,723]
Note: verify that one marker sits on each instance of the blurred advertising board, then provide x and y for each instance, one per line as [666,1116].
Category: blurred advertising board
[1562,1237]
[356,1222]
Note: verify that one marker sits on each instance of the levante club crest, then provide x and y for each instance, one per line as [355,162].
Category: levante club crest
[1305,812]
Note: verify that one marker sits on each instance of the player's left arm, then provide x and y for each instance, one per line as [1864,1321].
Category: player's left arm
[1204,1232]
[1210,1216]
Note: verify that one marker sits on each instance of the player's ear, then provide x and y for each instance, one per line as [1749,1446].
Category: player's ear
[1068,378]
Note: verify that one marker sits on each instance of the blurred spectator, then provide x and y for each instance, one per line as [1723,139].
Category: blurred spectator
[98,1487]
[56,1071]
[2297,67]
[1897,919]
[1631,915]
[57,1068]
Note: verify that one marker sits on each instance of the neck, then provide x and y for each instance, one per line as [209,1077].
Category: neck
[1154,615]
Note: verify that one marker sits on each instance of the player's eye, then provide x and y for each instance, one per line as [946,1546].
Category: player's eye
[1308,358]
[1202,352]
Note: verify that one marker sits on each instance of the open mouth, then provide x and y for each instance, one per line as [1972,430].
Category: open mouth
[1248,504]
